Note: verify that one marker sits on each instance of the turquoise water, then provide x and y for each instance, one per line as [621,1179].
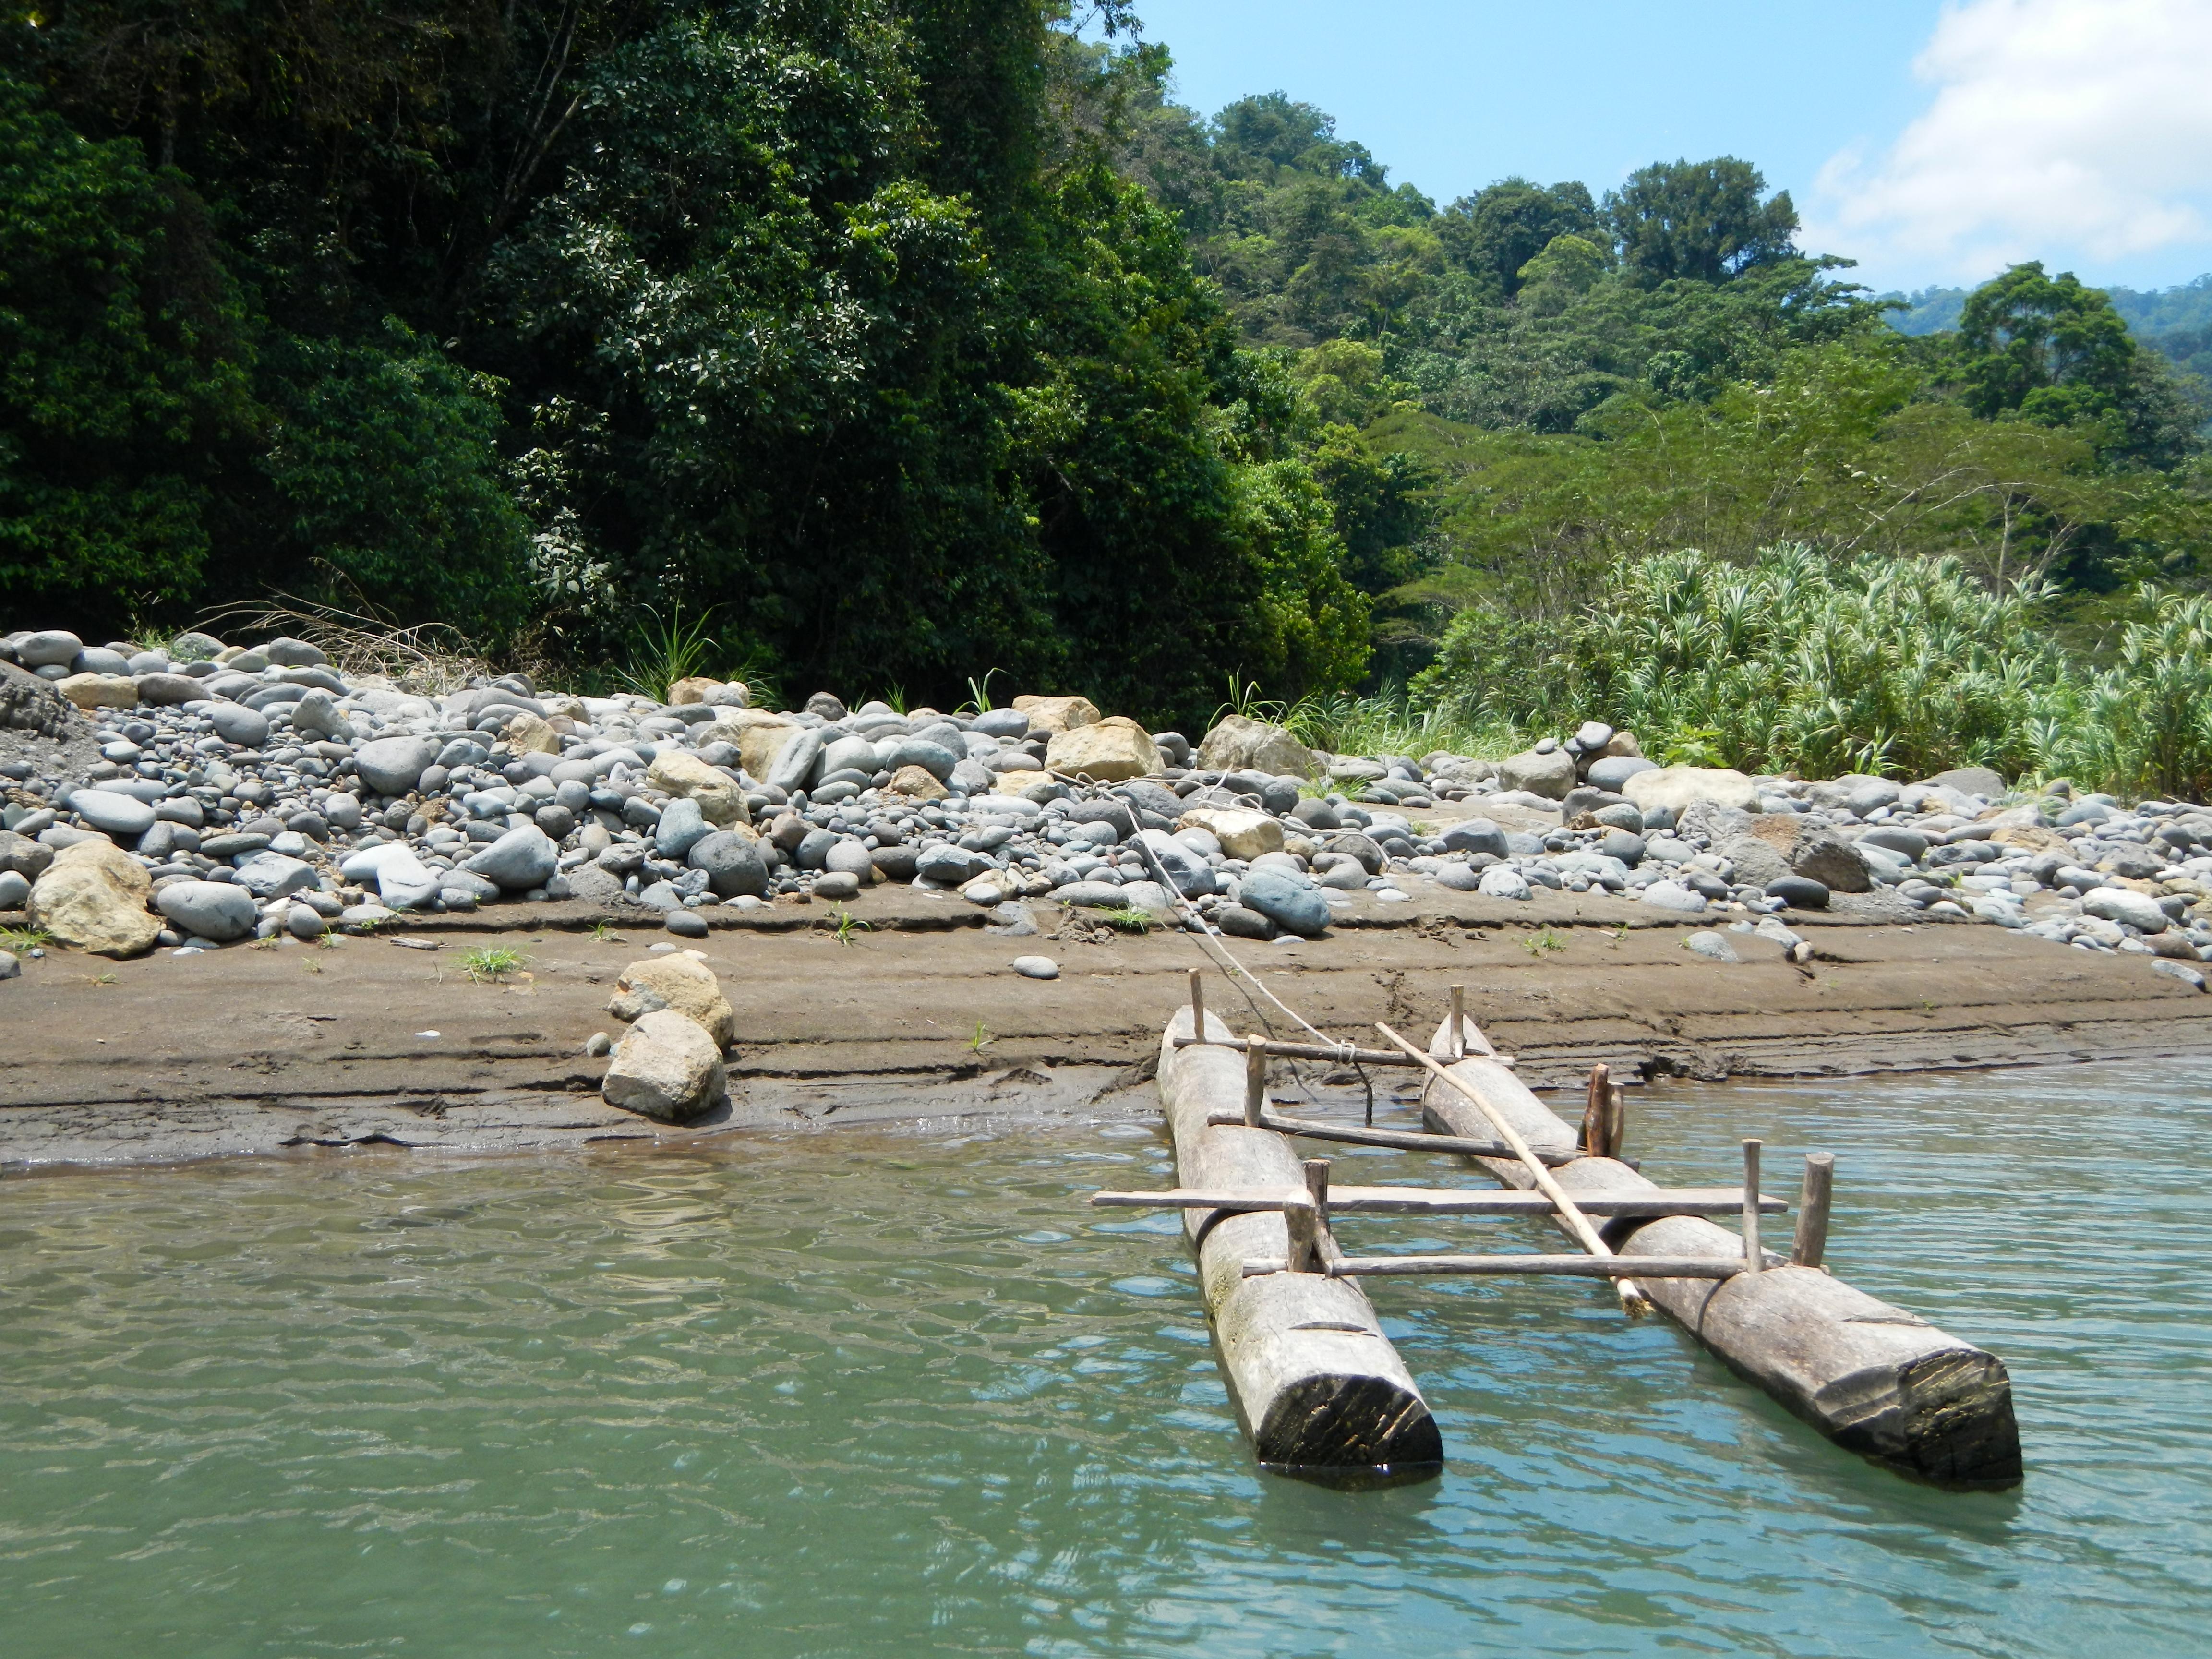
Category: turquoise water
[876,1394]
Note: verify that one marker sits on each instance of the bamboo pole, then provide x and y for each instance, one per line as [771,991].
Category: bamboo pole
[1632,1299]
[1753,1259]
[1812,1242]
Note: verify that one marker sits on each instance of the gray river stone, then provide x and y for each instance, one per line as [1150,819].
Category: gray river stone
[795,762]
[115,814]
[734,863]
[219,911]
[271,875]
[682,827]
[1287,901]
[518,860]
[235,723]
[393,766]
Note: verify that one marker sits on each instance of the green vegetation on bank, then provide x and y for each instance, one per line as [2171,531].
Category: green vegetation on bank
[844,343]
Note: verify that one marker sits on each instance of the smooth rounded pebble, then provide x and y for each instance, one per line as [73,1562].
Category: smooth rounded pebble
[1036,967]
[599,1045]
[686,924]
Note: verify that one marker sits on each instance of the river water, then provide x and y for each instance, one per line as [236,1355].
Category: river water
[896,1393]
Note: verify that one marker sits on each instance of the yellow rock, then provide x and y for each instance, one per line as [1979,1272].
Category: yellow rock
[526,734]
[1057,714]
[680,981]
[917,783]
[100,690]
[94,895]
[1238,745]
[682,693]
[1020,783]
[759,742]
[721,802]
[1241,835]
[1109,751]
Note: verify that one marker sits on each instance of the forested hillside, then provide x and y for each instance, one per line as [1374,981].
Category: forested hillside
[903,341]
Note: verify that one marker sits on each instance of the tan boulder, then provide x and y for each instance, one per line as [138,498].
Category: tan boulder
[94,895]
[526,734]
[1241,835]
[1623,745]
[721,802]
[1677,787]
[1111,750]
[1238,744]
[1020,783]
[683,693]
[1057,714]
[760,742]
[100,690]
[1551,775]
[667,1068]
[917,783]
[681,982]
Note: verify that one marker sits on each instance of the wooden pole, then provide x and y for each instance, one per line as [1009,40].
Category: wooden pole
[1255,1080]
[1317,1174]
[1631,1297]
[1303,1227]
[1614,1267]
[1459,1022]
[1616,1119]
[1197,1006]
[1406,1140]
[1595,1111]
[1812,1210]
[1341,1052]
[1753,1258]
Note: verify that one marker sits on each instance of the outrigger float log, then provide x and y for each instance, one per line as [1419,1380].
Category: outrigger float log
[1317,1386]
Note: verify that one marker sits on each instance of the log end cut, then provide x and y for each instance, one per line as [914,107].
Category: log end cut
[1946,1418]
[1336,1422]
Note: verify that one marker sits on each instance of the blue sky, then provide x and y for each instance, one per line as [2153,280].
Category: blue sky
[1935,143]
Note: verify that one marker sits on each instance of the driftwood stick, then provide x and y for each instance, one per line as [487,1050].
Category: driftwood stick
[1342,1053]
[1752,1261]
[1617,1268]
[1405,1141]
[1812,1210]
[1631,1298]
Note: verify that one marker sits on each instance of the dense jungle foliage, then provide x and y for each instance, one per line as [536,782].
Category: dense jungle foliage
[902,339]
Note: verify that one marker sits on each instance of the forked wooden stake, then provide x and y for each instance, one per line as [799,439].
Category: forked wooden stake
[1753,1258]
[1812,1210]
[1256,1079]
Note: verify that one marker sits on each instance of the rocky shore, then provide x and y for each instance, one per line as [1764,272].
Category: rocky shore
[203,796]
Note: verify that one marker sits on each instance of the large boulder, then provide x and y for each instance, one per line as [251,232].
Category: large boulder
[2139,910]
[1550,775]
[1058,714]
[685,776]
[759,741]
[100,690]
[94,895]
[393,766]
[219,911]
[681,982]
[667,1068]
[1109,751]
[1241,835]
[1676,787]
[1473,835]
[1968,780]
[1809,850]
[1238,744]
[49,648]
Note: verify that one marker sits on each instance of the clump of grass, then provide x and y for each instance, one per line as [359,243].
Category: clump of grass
[1389,723]
[603,933]
[490,964]
[979,694]
[667,650]
[21,939]
[980,1039]
[844,925]
[1541,943]
[1128,919]
[429,659]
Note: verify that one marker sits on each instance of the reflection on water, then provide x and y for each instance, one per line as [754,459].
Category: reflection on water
[878,1394]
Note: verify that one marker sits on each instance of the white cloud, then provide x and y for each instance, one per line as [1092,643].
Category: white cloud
[2075,132]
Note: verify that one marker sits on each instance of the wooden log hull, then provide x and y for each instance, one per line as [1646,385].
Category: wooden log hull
[1314,1381]
[1872,1377]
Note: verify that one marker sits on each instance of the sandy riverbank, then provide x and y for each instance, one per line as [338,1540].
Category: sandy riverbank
[255,1051]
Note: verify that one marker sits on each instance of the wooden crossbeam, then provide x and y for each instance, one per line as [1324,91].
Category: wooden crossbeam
[1345,1056]
[1405,1141]
[1488,1267]
[1443,1201]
